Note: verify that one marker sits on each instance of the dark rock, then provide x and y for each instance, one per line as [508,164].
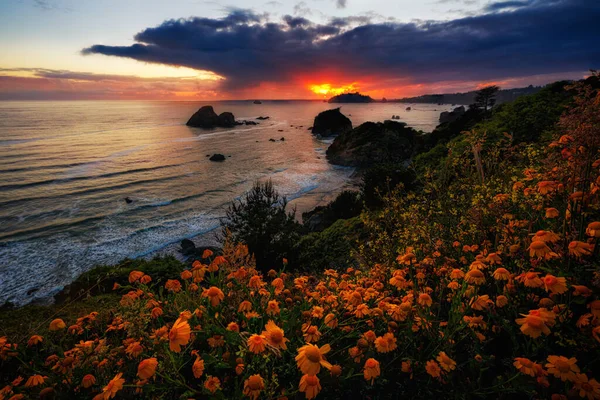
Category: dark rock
[208,155]
[257,102]
[262,118]
[282,139]
[187,246]
[205,117]
[372,143]
[250,123]
[32,291]
[128,200]
[271,140]
[309,128]
[279,130]
[408,108]
[217,157]
[226,120]
[331,122]
[452,116]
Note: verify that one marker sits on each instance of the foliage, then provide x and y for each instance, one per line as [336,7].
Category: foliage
[260,220]
[382,179]
[483,284]
[347,204]
[331,248]
[485,98]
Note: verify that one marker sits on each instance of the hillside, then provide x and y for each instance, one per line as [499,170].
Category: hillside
[503,96]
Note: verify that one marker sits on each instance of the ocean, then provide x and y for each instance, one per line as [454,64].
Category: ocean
[67,167]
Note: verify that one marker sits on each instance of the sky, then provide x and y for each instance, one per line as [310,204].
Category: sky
[281,49]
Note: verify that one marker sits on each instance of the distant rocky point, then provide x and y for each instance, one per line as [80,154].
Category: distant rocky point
[331,122]
[351,98]
[450,116]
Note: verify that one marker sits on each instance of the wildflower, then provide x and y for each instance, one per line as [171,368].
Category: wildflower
[245,306]
[273,308]
[214,294]
[147,368]
[331,321]
[207,253]
[562,367]
[257,343]
[501,274]
[538,249]
[555,285]
[135,276]
[475,277]
[453,285]
[310,386]
[34,340]
[113,386]
[530,279]
[501,301]
[406,367]
[526,366]
[336,370]
[386,343]
[581,290]
[173,285]
[552,213]
[594,307]
[578,249]
[424,300]
[593,229]
[275,335]
[198,367]
[35,380]
[457,274]
[446,362]
[589,388]
[253,386]
[212,384]
[371,369]
[179,335]
[57,325]
[362,310]
[88,381]
[433,369]
[545,236]
[310,358]
[311,333]
[186,274]
[480,302]
[536,322]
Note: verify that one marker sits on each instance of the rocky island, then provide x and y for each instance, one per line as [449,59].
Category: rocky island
[331,122]
[351,98]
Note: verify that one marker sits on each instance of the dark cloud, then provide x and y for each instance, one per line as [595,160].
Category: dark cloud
[540,37]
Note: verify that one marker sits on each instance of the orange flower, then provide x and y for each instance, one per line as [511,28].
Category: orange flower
[562,367]
[457,274]
[578,249]
[245,306]
[593,229]
[424,300]
[331,321]
[233,327]
[198,367]
[212,384]
[113,386]
[35,339]
[480,302]
[147,368]
[527,367]
[207,253]
[135,276]
[589,388]
[386,343]
[552,213]
[545,236]
[433,369]
[311,333]
[57,324]
[275,335]
[536,322]
[173,285]
[273,307]
[253,386]
[336,370]
[310,386]
[214,294]
[530,279]
[501,301]
[475,277]
[257,343]
[35,380]
[186,274]
[310,358]
[88,381]
[371,369]
[501,274]
[538,249]
[179,335]
[446,362]
[555,285]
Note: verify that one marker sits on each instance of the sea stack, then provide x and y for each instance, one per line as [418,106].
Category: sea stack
[330,123]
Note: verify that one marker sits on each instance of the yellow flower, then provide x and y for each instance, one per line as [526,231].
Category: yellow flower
[310,358]
[275,336]
[433,369]
[214,294]
[475,277]
[578,249]
[386,343]
[425,300]
[57,324]
[147,368]
[536,322]
[310,386]
[527,367]
[35,380]
[113,386]
[198,367]
[501,274]
[589,388]
[555,285]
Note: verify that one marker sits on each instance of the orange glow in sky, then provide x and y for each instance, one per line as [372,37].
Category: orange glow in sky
[326,89]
